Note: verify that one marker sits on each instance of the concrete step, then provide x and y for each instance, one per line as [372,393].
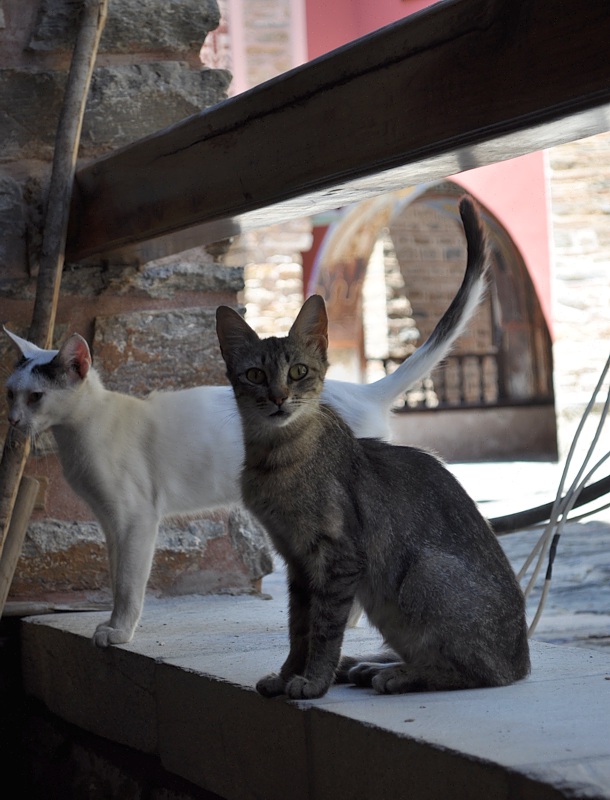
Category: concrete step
[184,690]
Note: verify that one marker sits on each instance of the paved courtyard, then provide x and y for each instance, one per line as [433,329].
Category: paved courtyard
[577,610]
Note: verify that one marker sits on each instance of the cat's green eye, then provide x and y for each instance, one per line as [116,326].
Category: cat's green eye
[35,397]
[10,395]
[256,375]
[298,371]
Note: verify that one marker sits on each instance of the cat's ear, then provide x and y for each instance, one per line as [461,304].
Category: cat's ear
[75,357]
[27,349]
[233,331]
[311,323]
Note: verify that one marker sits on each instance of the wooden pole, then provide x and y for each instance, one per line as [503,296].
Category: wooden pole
[64,167]
[16,449]
[22,511]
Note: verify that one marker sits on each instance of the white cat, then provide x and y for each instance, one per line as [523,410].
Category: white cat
[135,461]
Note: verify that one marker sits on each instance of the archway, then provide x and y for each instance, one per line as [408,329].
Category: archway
[493,398]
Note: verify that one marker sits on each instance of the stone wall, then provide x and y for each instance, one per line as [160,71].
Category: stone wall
[273,274]
[150,326]
[431,249]
[579,180]
[579,183]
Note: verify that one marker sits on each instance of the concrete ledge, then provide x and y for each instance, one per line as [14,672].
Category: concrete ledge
[183,690]
[502,433]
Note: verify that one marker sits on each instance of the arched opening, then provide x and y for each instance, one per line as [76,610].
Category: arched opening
[388,268]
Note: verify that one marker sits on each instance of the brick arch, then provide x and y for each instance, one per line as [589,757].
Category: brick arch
[504,359]
[338,273]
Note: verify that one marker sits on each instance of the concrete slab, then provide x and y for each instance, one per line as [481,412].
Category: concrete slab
[110,693]
[185,692]
[184,689]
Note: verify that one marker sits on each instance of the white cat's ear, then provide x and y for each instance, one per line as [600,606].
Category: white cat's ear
[75,357]
[27,349]
[312,323]
[232,330]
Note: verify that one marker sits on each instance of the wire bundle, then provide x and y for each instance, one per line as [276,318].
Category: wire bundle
[545,548]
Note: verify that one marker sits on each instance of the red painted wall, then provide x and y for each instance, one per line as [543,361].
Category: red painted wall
[329,25]
[514,191]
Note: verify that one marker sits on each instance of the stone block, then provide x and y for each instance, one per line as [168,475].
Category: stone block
[194,271]
[125,103]
[171,349]
[66,561]
[129,102]
[203,555]
[60,557]
[13,214]
[209,555]
[230,740]
[161,280]
[30,102]
[131,26]
[250,541]
[21,209]
[107,692]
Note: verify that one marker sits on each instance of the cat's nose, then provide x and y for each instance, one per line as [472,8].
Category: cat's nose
[277,394]
[14,419]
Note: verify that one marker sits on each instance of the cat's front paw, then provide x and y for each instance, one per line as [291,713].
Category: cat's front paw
[106,635]
[393,680]
[300,688]
[271,685]
[363,674]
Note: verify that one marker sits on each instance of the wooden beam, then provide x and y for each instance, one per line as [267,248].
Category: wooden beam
[462,84]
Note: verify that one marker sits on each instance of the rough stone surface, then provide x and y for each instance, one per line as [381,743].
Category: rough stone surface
[59,556]
[125,103]
[161,280]
[148,75]
[12,228]
[192,272]
[203,555]
[144,350]
[30,101]
[251,542]
[132,25]
[579,178]
[129,102]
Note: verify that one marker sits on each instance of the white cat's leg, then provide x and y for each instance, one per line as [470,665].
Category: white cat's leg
[355,614]
[130,553]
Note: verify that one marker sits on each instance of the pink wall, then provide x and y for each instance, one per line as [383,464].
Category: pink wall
[350,19]
[514,191]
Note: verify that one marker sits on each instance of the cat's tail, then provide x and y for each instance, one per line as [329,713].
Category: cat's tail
[453,322]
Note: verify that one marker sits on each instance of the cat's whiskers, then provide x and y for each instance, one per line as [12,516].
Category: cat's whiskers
[229,417]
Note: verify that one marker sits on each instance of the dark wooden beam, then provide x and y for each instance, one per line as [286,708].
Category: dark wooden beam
[462,84]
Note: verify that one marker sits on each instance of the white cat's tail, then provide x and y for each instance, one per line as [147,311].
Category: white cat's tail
[453,322]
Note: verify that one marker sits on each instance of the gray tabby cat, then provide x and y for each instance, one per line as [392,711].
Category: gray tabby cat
[135,461]
[363,519]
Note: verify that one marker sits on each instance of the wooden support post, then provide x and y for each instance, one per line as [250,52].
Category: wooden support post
[22,511]
[16,449]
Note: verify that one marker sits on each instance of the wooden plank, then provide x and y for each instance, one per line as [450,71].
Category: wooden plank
[20,518]
[459,85]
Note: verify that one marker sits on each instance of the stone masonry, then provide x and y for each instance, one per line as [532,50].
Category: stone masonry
[579,183]
[151,326]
